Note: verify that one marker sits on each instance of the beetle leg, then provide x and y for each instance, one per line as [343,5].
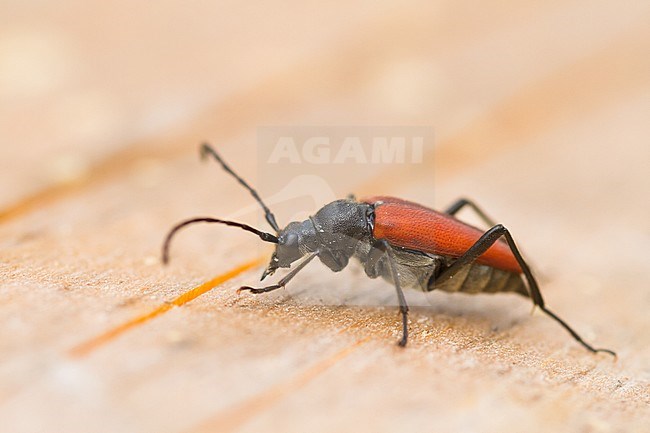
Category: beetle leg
[461,203]
[283,282]
[403,306]
[482,245]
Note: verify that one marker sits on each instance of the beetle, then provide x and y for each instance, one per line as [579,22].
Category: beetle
[405,243]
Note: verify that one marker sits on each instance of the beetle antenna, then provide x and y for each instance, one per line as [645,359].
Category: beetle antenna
[206,149]
[266,237]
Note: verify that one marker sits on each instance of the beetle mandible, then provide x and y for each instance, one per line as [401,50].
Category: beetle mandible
[405,243]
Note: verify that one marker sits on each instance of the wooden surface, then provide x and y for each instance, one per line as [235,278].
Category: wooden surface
[540,113]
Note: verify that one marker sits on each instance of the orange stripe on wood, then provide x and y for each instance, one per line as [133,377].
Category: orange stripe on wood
[88,346]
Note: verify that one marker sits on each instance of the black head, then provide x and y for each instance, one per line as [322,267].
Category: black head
[294,241]
[333,232]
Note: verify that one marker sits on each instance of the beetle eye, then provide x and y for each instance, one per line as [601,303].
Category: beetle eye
[291,240]
[288,250]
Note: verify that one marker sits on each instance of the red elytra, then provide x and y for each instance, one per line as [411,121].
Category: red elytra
[410,225]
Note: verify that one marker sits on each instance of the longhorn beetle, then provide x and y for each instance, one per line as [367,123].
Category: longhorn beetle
[403,242]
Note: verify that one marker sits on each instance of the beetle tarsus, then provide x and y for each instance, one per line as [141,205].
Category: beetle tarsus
[574,334]
[405,329]
[258,290]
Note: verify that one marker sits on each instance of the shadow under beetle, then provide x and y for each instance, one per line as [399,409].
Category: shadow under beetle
[403,242]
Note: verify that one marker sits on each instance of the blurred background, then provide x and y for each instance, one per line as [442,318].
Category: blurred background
[82,81]
[537,110]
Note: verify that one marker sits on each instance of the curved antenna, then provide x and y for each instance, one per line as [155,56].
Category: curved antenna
[266,237]
[206,149]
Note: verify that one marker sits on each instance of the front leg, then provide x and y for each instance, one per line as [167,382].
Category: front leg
[283,282]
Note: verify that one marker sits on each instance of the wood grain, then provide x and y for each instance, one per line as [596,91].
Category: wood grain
[539,112]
